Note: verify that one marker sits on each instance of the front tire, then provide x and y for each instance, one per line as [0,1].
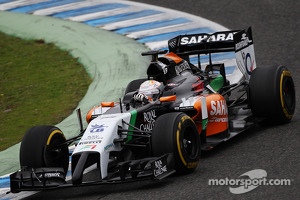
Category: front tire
[272,94]
[40,148]
[177,133]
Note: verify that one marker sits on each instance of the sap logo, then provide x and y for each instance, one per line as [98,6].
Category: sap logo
[97,128]
[218,107]
[212,38]
[192,40]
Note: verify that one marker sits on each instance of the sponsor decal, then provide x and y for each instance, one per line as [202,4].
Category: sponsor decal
[172,85]
[149,119]
[217,119]
[160,168]
[218,107]
[97,128]
[50,175]
[108,146]
[172,43]
[192,40]
[182,67]
[183,108]
[92,137]
[248,62]
[90,142]
[164,67]
[245,41]
[210,38]
[88,146]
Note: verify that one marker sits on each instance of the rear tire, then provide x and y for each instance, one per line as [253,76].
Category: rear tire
[177,133]
[35,151]
[272,94]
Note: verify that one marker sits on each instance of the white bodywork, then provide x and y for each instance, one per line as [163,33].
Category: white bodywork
[99,137]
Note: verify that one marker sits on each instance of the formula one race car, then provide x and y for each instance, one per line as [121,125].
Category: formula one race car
[162,122]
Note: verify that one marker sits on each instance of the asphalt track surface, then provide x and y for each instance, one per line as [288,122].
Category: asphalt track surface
[275,149]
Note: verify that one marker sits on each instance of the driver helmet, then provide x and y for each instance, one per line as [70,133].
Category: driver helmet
[151,88]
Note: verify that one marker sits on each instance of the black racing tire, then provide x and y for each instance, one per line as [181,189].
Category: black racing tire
[177,133]
[134,85]
[272,94]
[35,151]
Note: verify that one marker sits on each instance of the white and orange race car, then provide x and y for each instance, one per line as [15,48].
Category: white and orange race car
[163,121]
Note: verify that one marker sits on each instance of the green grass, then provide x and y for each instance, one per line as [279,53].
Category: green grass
[39,84]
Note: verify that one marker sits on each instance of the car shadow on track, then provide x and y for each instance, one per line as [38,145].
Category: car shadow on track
[99,191]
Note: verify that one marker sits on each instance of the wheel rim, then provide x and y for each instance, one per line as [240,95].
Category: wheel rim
[189,143]
[289,95]
[56,156]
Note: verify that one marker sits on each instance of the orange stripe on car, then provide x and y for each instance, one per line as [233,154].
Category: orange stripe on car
[108,104]
[174,57]
[167,98]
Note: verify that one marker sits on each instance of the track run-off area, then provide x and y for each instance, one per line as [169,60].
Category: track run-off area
[107,37]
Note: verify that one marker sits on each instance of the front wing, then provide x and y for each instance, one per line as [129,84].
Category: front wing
[35,179]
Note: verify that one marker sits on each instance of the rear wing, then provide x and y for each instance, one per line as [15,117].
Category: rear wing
[202,43]
[238,41]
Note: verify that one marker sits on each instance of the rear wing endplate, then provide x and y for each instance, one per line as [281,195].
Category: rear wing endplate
[238,41]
